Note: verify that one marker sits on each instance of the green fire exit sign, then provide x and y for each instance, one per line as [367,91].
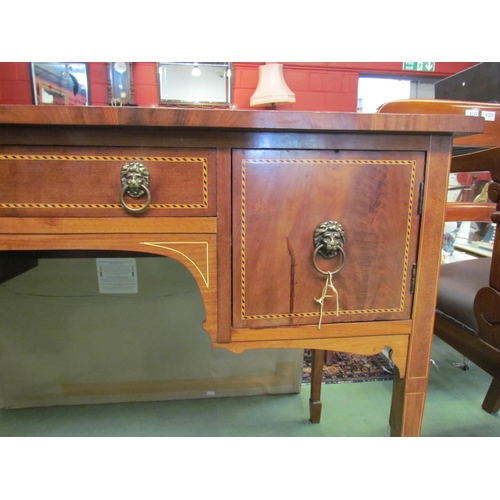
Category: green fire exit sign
[419,66]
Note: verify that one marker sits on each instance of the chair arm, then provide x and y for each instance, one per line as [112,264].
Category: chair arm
[477,212]
[479,161]
[490,137]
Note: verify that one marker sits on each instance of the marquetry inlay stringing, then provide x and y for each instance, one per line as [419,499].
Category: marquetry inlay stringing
[404,281]
[4,204]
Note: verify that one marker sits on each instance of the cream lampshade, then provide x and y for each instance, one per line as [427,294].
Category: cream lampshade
[272,88]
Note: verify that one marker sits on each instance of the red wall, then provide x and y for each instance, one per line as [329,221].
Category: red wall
[327,86]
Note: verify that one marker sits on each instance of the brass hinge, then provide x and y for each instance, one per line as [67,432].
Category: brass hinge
[413,278]
[421,198]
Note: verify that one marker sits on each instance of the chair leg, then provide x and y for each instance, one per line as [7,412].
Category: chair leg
[491,403]
[329,358]
[318,359]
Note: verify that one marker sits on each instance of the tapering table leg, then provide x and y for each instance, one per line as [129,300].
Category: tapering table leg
[407,406]
[318,360]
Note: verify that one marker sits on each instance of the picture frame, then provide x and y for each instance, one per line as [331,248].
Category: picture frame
[60,83]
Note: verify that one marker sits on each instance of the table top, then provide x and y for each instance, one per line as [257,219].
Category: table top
[239,119]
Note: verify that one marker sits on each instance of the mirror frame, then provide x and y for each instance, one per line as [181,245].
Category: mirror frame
[58,80]
[228,80]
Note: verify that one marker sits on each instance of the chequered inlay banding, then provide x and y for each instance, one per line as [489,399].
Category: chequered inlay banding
[74,158]
[316,314]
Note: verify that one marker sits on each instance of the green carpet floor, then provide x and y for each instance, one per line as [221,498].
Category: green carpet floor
[358,409]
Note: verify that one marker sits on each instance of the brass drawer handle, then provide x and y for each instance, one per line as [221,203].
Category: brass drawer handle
[329,239]
[135,182]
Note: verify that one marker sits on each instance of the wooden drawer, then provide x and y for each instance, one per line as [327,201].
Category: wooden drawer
[87,182]
[280,197]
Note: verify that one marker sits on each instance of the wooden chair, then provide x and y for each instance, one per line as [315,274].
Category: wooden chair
[468,309]
[468,306]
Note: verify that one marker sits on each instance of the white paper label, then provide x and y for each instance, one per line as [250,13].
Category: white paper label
[489,116]
[117,275]
[472,112]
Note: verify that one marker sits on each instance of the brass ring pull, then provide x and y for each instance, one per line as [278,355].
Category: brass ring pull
[328,240]
[135,210]
[342,253]
[135,182]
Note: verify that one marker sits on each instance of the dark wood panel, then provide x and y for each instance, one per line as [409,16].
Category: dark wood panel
[478,83]
[280,198]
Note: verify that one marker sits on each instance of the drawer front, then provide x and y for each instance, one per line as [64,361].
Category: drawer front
[279,199]
[91,182]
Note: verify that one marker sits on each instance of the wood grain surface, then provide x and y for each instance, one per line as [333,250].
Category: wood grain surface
[260,183]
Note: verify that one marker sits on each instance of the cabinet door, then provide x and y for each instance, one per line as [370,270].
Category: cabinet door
[280,197]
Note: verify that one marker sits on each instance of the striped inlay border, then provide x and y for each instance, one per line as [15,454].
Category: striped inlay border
[109,158]
[400,308]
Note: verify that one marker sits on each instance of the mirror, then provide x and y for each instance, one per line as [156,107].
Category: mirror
[60,83]
[468,237]
[192,83]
